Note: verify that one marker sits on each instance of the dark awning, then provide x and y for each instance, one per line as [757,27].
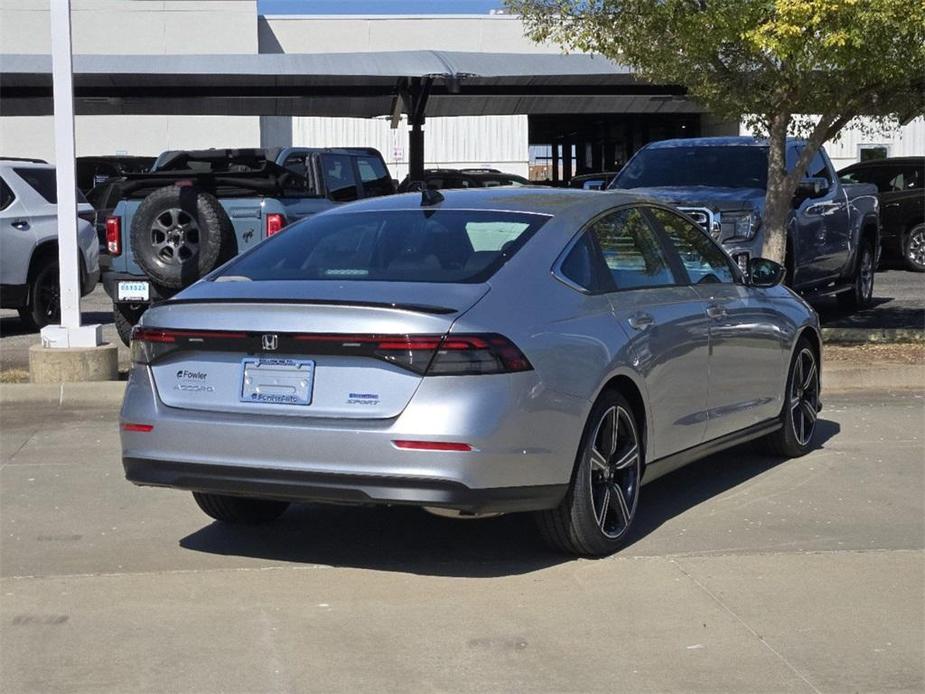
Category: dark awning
[337,84]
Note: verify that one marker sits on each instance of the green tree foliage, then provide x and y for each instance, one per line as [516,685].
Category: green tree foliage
[769,61]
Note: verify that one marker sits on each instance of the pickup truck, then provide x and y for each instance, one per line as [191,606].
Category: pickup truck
[833,238]
[197,209]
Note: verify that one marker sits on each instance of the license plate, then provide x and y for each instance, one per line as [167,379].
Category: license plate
[277,381]
[133,291]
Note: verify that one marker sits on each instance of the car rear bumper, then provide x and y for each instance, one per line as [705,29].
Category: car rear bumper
[523,450]
[304,485]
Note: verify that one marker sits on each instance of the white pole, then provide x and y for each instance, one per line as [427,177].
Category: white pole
[69,333]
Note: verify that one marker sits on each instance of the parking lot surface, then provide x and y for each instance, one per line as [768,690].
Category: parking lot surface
[746,573]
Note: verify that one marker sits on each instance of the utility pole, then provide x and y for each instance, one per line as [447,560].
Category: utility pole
[70,333]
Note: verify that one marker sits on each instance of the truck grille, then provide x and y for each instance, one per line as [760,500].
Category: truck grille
[706,219]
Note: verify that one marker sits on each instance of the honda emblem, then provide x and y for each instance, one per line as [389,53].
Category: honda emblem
[270,342]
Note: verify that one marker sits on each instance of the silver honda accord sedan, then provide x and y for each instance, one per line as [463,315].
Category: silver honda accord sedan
[471,352]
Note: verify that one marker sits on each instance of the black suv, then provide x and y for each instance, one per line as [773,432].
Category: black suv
[901,182]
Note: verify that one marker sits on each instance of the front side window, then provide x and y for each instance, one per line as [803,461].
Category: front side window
[339,177]
[631,250]
[704,261]
[452,246]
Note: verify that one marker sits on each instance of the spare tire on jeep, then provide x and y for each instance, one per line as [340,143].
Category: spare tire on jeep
[179,234]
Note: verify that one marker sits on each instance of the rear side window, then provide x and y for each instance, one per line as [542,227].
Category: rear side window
[339,177]
[6,195]
[44,183]
[375,177]
[453,246]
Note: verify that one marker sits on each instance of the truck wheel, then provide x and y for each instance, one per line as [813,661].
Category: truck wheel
[180,234]
[125,317]
[43,301]
[914,248]
[238,509]
[862,284]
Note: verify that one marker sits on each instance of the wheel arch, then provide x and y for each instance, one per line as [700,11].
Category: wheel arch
[633,391]
[815,341]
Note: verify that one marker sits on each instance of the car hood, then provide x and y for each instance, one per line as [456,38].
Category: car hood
[706,196]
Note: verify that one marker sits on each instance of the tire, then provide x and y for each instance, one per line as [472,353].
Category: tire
[597,514]
[240,510]
[180,234]
[801,405]
[862,283]
[125,317]
[43,298]
[914,248]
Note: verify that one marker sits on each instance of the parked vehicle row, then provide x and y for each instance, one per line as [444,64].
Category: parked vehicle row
[477,351]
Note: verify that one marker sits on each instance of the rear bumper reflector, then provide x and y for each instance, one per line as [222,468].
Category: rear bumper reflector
[142,428]
[432,446]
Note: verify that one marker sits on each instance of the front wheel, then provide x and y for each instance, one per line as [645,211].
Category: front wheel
[801,405]
[914,248]
[239,510]
[596,515]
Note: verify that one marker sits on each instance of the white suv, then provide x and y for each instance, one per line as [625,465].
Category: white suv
[29,242]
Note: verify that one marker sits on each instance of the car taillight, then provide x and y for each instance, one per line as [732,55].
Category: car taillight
[275,223]
[426,355]
[114,235]
[150,344]
[464,355]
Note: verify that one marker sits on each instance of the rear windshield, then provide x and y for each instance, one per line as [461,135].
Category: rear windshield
[396,245]
[44,183]
[717,167]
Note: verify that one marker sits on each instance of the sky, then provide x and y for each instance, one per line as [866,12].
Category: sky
[377,6]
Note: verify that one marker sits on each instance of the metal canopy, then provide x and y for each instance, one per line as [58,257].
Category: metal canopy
[429,83]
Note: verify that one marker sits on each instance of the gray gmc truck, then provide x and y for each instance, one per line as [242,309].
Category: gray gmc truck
[833,239]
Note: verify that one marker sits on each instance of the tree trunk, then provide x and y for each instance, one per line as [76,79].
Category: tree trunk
[778,201]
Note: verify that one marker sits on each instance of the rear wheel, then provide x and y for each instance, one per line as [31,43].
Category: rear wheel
[240,510]
[43,304]
[914,248]
[801,405]
[597,513]
[862,286]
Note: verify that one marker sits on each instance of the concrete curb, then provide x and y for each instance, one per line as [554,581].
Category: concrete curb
[856,336]
[91,394]
[841,377]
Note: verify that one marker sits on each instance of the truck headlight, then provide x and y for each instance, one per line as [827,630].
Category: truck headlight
[741,226]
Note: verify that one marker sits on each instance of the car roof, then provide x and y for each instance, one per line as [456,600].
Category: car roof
[889,161]
[22,164]
[536,200]
[739,141]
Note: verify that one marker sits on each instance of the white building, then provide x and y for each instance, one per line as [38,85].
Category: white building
[509,142]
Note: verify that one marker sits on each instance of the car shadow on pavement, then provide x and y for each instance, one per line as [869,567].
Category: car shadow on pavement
[693,484]
[410,540]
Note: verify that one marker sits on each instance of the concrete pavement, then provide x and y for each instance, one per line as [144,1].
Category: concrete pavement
[746,574]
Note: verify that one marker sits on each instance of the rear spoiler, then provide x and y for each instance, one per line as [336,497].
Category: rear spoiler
[413,308]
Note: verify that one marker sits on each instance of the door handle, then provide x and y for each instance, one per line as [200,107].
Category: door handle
[716,311]
[21,224]
[640,321]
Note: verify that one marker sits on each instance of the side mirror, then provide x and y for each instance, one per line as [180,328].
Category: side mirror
[808,188]
[764,273]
